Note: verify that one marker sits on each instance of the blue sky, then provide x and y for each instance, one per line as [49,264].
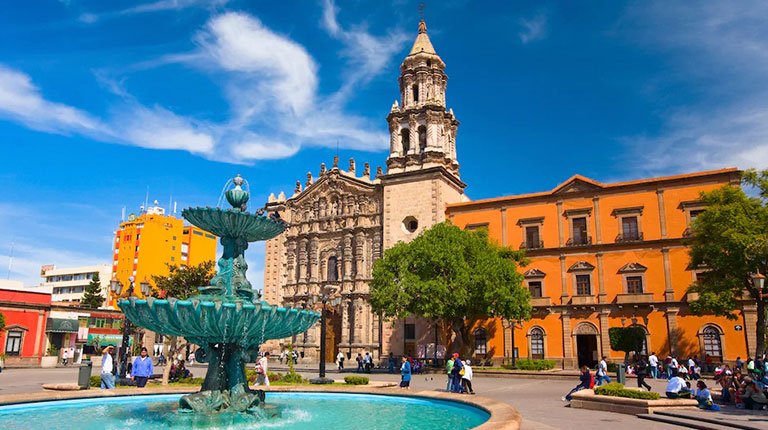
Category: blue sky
[100,100]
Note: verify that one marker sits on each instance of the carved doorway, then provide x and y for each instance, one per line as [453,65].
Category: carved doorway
[332,335]
[586,336]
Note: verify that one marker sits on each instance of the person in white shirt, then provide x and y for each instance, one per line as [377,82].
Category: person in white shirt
[107,378]
[653,363]
[261,369]
[64,357]
[602,372]
[340,361]
[676,388]
[466,378]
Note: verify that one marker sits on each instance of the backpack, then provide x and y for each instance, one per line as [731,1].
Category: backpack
[591,381]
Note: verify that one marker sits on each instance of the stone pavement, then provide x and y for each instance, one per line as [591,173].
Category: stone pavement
[538,400]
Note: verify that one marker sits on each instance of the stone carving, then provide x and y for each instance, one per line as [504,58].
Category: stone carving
[581,265]
[632,267]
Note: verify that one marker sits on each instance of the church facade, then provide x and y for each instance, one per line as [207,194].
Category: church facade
[341,220]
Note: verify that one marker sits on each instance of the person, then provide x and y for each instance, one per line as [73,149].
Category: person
[449,371]
[683,372]
[704,397]
[676,388]
[642,371]
[466,378]
[107,367]
[457,372]
[282,356]
[392,362]
[602,372]
[295,356]
[359,363]
[64,356]
[653,362]
[161,360]
[752,396]
[142,369]
[695,372]
[340,360]
[262,367]
[708,363]
[585,382]
[368,362]
[405,374]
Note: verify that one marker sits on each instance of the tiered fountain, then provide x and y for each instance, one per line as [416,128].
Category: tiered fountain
[227,319]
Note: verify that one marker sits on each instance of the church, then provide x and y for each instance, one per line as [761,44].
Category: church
[602,255]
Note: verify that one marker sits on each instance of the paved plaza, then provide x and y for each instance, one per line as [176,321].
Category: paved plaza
[538,400]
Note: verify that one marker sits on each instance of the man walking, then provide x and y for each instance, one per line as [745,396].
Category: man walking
[107,378]
[653,363]
[602,372]
[340,361]
[142,369]
[359,363]
[262,367]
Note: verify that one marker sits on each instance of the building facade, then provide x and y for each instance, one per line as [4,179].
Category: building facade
[145,245]
[602,256]
[340,222]
[26,314]
[68,285]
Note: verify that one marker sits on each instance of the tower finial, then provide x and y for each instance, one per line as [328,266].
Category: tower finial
[422,26]
[421,10]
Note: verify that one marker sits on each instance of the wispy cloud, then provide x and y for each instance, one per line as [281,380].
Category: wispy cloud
[157,6]
[719,51]
[532,29]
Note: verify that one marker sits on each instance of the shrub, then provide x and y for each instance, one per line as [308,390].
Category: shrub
[274,376]
[617,390]
[292,378]
[193,381]
[95,381]
[529,364]
[356,380]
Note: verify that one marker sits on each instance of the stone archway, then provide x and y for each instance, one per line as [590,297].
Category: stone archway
[586,341]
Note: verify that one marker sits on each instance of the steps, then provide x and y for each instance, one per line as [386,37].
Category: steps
[696,421]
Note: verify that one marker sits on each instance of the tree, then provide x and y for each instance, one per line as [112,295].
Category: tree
[626,339]
[181,283]
[2,322]
[453,275]
[92,297]
[730,242]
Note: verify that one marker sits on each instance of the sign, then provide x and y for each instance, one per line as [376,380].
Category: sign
[738,328]
[46,268]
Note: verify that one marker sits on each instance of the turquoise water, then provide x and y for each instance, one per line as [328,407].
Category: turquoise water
[312,411]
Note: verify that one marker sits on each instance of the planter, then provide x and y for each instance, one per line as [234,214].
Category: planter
[49,361]
[587,399]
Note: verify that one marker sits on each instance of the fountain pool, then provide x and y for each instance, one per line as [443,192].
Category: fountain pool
[297,410]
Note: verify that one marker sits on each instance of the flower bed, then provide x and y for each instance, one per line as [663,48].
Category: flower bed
[617,390]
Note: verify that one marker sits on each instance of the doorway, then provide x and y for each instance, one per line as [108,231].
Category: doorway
[586,350]
[332,335]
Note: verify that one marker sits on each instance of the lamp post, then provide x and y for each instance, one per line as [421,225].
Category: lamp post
[117,289]
[324,299]
[758,281]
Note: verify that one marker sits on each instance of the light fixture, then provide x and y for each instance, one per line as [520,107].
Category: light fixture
[758,280]
[146,288]
[116,287]
[623,321]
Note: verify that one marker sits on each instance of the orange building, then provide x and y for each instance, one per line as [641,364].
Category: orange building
[606,255]
[146,244]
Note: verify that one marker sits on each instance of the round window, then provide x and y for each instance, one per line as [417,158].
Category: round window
[410,224]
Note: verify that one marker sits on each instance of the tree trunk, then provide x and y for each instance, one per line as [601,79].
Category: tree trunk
[760,344]
[172,348]
[462,330]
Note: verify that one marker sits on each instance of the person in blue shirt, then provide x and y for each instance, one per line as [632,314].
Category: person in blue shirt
[456,374]
[405,374]
[142,369]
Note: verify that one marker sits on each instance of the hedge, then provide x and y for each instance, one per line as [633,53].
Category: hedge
[615,389]
[356,380]
[529,364]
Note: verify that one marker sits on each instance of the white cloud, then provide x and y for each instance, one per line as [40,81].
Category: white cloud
[533,28]
[254,147]
[157,6]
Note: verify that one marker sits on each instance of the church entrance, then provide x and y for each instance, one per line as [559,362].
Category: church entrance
[586,347]
[332,335]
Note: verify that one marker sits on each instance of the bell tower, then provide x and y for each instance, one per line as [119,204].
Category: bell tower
[422,132]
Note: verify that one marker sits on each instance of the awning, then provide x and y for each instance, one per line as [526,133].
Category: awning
[107,339]
[62,325]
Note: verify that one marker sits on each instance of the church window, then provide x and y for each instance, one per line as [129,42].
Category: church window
[405,135]
[415,93]
[422,138]
[429,63]
[333,270]
[410,224]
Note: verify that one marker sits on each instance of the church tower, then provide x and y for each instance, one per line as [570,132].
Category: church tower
[422,133]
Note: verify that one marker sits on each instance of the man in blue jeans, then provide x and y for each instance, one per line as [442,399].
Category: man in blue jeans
[602,372]
[107,378]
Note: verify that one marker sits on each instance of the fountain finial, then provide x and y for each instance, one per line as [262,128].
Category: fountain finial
[237,197]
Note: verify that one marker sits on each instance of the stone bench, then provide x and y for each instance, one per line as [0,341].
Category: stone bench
[587,399]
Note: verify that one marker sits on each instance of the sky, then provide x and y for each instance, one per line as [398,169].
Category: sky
[102,101]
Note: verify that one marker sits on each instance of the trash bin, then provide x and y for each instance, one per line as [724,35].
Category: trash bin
[621,374]
[84,375]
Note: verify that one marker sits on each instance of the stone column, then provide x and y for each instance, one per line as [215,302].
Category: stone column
[348,257]
[662,213]
[313,260]
[359,255]
[605,338]
[598,227]
[345,304]
[395,143]
[290,265]
[671,314]
[358,322]
[568,362]
[303,260]
[560,231]
[750,326]
[563,281]
[414,129]
[602,296]
[669,292]
[503,212]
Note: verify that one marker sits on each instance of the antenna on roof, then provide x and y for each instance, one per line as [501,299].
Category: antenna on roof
[421,9]
[146,199]
[122,215]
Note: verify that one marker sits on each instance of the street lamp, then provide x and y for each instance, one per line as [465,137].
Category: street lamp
[146,288]
[324,299]
[758,280]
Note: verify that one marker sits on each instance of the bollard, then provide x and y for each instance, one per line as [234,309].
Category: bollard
[84,375]
[621,374]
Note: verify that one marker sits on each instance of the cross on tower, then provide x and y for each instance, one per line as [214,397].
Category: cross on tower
[421,10]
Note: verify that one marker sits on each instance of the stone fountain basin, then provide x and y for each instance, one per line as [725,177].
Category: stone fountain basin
[233,223]
[212,321]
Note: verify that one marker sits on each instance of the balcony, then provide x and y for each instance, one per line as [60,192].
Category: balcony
[583,300]
[625,299]
[532,245]
[541,301]
[579,241]
[634,237]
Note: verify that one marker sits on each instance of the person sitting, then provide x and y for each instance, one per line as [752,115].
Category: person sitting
[676,388]
[752,396]
[704,397]
[586,381]
[683,372]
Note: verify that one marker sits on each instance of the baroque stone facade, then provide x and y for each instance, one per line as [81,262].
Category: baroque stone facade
[340,223]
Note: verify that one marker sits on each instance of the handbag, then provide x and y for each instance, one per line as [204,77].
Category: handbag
[461,372]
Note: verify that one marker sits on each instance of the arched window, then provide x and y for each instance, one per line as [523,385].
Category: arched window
[333,271]
[481,341]
[422,138]
[537,343]
[712,345]
[405,136]
[416,93]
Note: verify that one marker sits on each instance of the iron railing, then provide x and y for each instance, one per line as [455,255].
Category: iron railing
[579,241]
[633,237]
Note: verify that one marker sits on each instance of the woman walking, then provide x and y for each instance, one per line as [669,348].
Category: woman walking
[405,374]
[466,378]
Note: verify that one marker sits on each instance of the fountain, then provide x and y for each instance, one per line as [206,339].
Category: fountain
[227,319]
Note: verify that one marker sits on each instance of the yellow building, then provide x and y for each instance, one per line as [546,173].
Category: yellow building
[146,244]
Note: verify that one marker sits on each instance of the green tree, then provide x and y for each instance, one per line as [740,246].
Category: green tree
[730,241]
[452,275]
[92,297]
[180,283]
[2,322]
[626,339]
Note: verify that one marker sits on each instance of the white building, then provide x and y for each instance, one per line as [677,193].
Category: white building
[68,285]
